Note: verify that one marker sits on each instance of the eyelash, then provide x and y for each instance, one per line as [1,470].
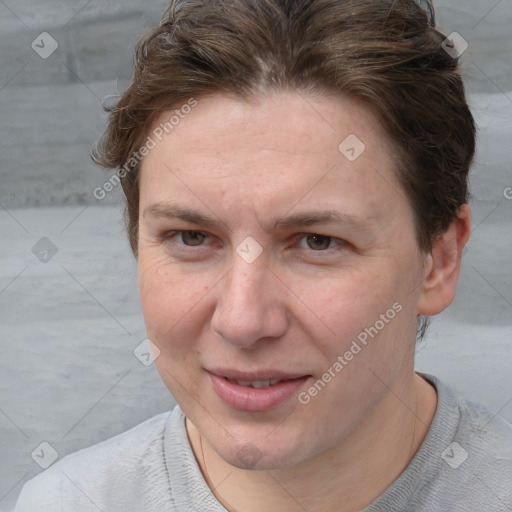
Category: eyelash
[168,238]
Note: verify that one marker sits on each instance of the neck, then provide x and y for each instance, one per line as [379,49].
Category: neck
[353,473]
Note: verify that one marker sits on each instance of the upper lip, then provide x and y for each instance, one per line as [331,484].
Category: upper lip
[255,375]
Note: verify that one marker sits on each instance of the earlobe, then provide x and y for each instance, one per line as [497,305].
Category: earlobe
[442,266]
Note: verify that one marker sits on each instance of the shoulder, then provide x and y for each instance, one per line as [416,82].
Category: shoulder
[487,438]
[474,463]
[463,465]
[130,467]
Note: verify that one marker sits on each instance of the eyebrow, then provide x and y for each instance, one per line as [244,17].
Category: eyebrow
[297,220]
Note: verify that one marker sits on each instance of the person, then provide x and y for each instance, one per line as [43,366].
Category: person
[296,177]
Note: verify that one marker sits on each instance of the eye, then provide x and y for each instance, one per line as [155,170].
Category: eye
[318,242]
[188,238]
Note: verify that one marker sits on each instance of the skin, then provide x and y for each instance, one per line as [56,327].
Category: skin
[299,305]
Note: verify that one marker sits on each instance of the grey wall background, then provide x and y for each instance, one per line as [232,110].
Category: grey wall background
[70,319]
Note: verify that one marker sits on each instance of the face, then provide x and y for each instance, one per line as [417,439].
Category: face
[267,251]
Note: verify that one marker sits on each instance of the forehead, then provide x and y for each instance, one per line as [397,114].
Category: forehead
[277,150]
[214,117]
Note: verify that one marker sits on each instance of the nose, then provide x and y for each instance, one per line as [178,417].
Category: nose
[250,307]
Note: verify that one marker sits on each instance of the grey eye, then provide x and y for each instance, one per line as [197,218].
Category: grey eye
[192,238]
[318,242]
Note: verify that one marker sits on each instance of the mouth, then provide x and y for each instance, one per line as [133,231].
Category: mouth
[258,384]
[255,391]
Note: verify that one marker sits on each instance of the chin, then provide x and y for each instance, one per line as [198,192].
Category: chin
[263,453]
[250,457]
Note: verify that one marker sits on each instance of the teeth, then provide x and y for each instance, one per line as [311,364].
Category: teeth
[256,383]
[261,384]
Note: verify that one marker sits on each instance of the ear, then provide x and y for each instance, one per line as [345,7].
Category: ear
[442,266]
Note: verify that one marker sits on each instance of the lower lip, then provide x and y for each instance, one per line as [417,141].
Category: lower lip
[246,398]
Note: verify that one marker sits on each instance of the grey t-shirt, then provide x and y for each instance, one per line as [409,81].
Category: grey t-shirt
[464,464]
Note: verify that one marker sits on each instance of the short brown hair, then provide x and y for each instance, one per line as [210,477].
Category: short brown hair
[386,53]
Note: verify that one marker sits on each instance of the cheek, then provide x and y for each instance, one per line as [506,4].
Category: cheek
[171,306]
[170,299]
[346,303]
[370,326]
[155,289]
